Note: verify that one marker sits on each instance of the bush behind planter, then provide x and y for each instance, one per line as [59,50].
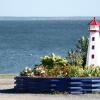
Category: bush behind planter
[52,60]
[70,85]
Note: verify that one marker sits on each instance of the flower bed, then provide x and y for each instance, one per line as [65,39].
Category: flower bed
[61,74]
[70,85]
[55,74]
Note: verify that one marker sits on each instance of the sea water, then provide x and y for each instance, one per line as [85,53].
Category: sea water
[22,43]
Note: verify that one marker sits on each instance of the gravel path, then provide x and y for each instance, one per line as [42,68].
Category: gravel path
[8,83]
[48,97]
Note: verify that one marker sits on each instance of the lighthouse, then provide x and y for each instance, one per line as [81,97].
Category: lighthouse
[93,53]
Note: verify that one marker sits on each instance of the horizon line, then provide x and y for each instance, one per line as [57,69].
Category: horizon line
[51,16]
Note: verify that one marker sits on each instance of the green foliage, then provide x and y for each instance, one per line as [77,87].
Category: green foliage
[7,75]
[39,70]
[73,71]
[53,59]
[26,72]
[56,71]
[77,71]
[61,71]
[82,47]
[91,72]
[78,57]
[75,58]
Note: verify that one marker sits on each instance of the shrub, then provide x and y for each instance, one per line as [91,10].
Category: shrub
[53,60]
[26,72]
[78,57]
[56,71]
[75,58]
[39,71]
[61,71]
[91,71]
[82,47]
[73,71]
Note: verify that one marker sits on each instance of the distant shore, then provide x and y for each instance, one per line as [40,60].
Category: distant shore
[46,18]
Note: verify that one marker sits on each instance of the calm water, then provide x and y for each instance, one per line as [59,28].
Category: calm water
[22,43]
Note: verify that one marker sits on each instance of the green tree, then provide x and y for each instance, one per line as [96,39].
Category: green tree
[75,58]
[82,47]
[78,57]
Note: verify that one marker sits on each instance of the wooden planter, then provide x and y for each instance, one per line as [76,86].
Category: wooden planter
[70,85]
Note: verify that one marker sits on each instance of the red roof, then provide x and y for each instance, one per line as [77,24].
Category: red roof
[94,22]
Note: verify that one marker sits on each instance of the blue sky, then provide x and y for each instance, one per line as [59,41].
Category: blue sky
[50,8]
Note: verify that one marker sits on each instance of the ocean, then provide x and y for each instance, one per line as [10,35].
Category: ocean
[23,42]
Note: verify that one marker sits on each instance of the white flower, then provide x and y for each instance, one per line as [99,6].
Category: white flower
[42,71]
[32,73]
[29,69]
[26,68]
[40,68]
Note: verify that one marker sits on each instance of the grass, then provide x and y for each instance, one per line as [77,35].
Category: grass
[7,74]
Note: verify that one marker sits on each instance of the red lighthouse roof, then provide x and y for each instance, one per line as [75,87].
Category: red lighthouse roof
[94,22]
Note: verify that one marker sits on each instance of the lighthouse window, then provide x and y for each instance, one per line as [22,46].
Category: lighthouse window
[93,38]
[92,46]
[92,56]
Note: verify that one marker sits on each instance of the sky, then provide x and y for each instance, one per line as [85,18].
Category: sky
[49,8]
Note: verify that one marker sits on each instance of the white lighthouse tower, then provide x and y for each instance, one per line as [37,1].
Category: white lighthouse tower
[93,53]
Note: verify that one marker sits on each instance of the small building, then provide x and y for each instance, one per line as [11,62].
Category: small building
[93,53]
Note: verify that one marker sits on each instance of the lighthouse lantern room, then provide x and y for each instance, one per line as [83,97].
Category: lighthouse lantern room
[93,53]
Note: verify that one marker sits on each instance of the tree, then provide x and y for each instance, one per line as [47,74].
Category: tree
[82,47]
[75,58]
[78,57]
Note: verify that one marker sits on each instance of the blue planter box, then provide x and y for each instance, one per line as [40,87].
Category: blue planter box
[70,85]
